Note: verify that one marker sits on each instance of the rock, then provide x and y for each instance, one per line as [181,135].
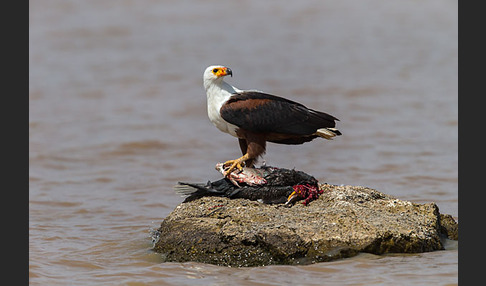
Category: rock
[342,222]
[449,227]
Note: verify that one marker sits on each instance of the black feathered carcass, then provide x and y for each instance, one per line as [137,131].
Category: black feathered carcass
[269,185]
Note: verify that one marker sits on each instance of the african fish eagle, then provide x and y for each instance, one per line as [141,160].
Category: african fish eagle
[255,117]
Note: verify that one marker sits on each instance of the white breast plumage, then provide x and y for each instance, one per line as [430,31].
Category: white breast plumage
[217,96]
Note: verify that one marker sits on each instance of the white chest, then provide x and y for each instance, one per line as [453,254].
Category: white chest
[216,98]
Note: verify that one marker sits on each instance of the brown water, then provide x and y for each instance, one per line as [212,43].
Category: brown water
[118,116]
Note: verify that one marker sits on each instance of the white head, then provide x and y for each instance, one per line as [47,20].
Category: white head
[215,74]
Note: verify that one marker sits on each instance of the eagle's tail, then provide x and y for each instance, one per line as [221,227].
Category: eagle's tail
[327,133]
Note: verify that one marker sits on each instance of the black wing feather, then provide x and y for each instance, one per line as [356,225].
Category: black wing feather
[262,112]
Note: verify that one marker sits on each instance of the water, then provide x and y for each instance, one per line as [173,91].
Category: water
[118,116]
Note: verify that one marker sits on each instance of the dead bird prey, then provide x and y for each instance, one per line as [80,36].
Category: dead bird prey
[269,185]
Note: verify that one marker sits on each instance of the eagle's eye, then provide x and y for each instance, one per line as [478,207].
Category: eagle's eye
[215,70]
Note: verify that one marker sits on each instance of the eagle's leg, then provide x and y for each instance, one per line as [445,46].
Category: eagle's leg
[252,146]
[244,148]
[235,164]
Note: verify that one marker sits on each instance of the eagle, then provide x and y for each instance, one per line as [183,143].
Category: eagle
[255,117]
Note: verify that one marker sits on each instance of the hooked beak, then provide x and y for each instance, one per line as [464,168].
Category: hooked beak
[228,71]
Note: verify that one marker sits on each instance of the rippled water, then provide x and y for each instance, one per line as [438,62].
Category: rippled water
[118,116]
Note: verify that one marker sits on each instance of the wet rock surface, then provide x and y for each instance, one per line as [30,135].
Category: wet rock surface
[342,222]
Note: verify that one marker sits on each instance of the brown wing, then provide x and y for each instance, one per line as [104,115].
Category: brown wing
[261,112]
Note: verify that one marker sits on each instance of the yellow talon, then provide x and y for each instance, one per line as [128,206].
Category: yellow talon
[235,164]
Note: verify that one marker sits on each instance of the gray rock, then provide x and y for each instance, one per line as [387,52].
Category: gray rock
[342,222]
